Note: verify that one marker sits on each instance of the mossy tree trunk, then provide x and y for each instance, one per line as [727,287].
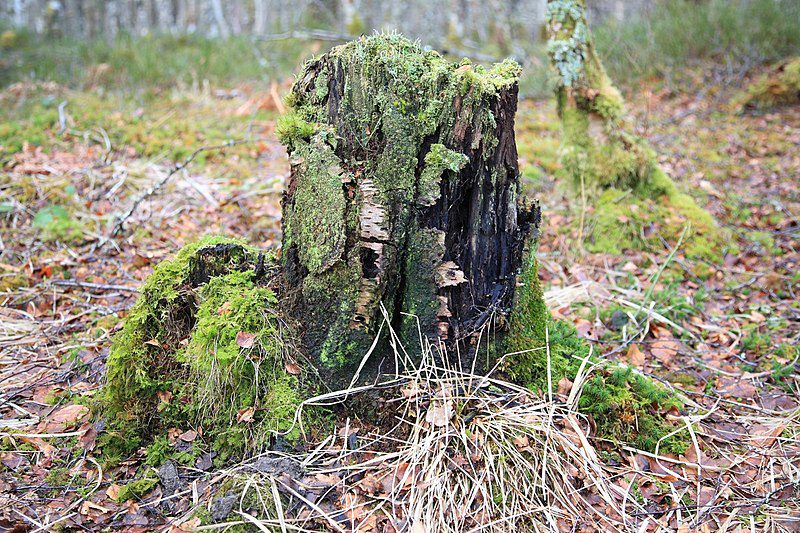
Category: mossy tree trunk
[602,156]
[599,149]
[404,197]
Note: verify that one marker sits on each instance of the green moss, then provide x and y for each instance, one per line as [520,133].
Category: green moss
[626,406]
[138,488]
[779,86]
[619,216]
[180,360]
[292,128]
[55,224]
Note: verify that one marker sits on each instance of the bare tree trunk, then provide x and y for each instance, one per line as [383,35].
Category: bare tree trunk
[219,18]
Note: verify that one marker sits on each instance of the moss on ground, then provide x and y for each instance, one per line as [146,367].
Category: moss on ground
[777,87]
[204,347]
[627,407]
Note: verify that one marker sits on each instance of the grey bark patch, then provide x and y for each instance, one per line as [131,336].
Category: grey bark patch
[222,506]
[169,477]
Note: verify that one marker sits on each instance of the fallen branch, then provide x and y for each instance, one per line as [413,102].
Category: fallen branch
[96,286]
[119,226]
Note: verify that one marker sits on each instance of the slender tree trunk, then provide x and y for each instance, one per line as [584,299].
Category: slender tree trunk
[601,152]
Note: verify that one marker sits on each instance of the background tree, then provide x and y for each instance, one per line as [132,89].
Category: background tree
[602,156]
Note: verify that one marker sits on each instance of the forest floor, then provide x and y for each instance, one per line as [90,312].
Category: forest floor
[724,333]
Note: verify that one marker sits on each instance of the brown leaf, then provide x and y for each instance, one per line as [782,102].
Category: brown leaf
[564,386]
[764,435]
[65,417]
[12,460]
[245,339]
[188,436]
[440,413]
[245,415]
[665,350]
[224,309]
[521,442]
[113,491]
[635,356]
[89,436]
[293,369]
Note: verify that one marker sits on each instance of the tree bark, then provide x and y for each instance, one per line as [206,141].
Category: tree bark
[404,195]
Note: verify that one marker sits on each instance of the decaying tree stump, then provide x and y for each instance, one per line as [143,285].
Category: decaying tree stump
[404,193]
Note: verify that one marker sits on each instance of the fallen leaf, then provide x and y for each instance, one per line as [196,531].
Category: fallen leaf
[665,350]
[764,435]
[521,442]
[293,369]
[564,386]
[245,415]
[113,491]
[440,413]
[12,460]
[89,436]
[245,339]
[65,417]
[188,436]
[635,356]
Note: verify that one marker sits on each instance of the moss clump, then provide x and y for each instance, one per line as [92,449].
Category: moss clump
[55,224]
[620,216]
[137,488]
[778,87]
[626,406]
[204,347]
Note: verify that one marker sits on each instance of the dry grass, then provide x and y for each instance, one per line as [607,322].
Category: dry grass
[474,453]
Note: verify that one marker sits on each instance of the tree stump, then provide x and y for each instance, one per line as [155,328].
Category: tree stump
[404,197]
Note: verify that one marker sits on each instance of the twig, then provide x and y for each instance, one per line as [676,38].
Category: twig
[118,227]
[87,285]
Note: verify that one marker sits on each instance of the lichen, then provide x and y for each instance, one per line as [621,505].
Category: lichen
[437,160]
[204,347]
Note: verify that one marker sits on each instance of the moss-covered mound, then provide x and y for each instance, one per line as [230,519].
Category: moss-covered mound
[626,407]
[204,348]
[778,87]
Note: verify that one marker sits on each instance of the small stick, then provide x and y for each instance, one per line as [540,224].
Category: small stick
[87,285]
[156,187]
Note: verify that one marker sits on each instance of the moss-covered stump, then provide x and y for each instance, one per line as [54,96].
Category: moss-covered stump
[404,194]
[615,170]
[777,87]
[205,348]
